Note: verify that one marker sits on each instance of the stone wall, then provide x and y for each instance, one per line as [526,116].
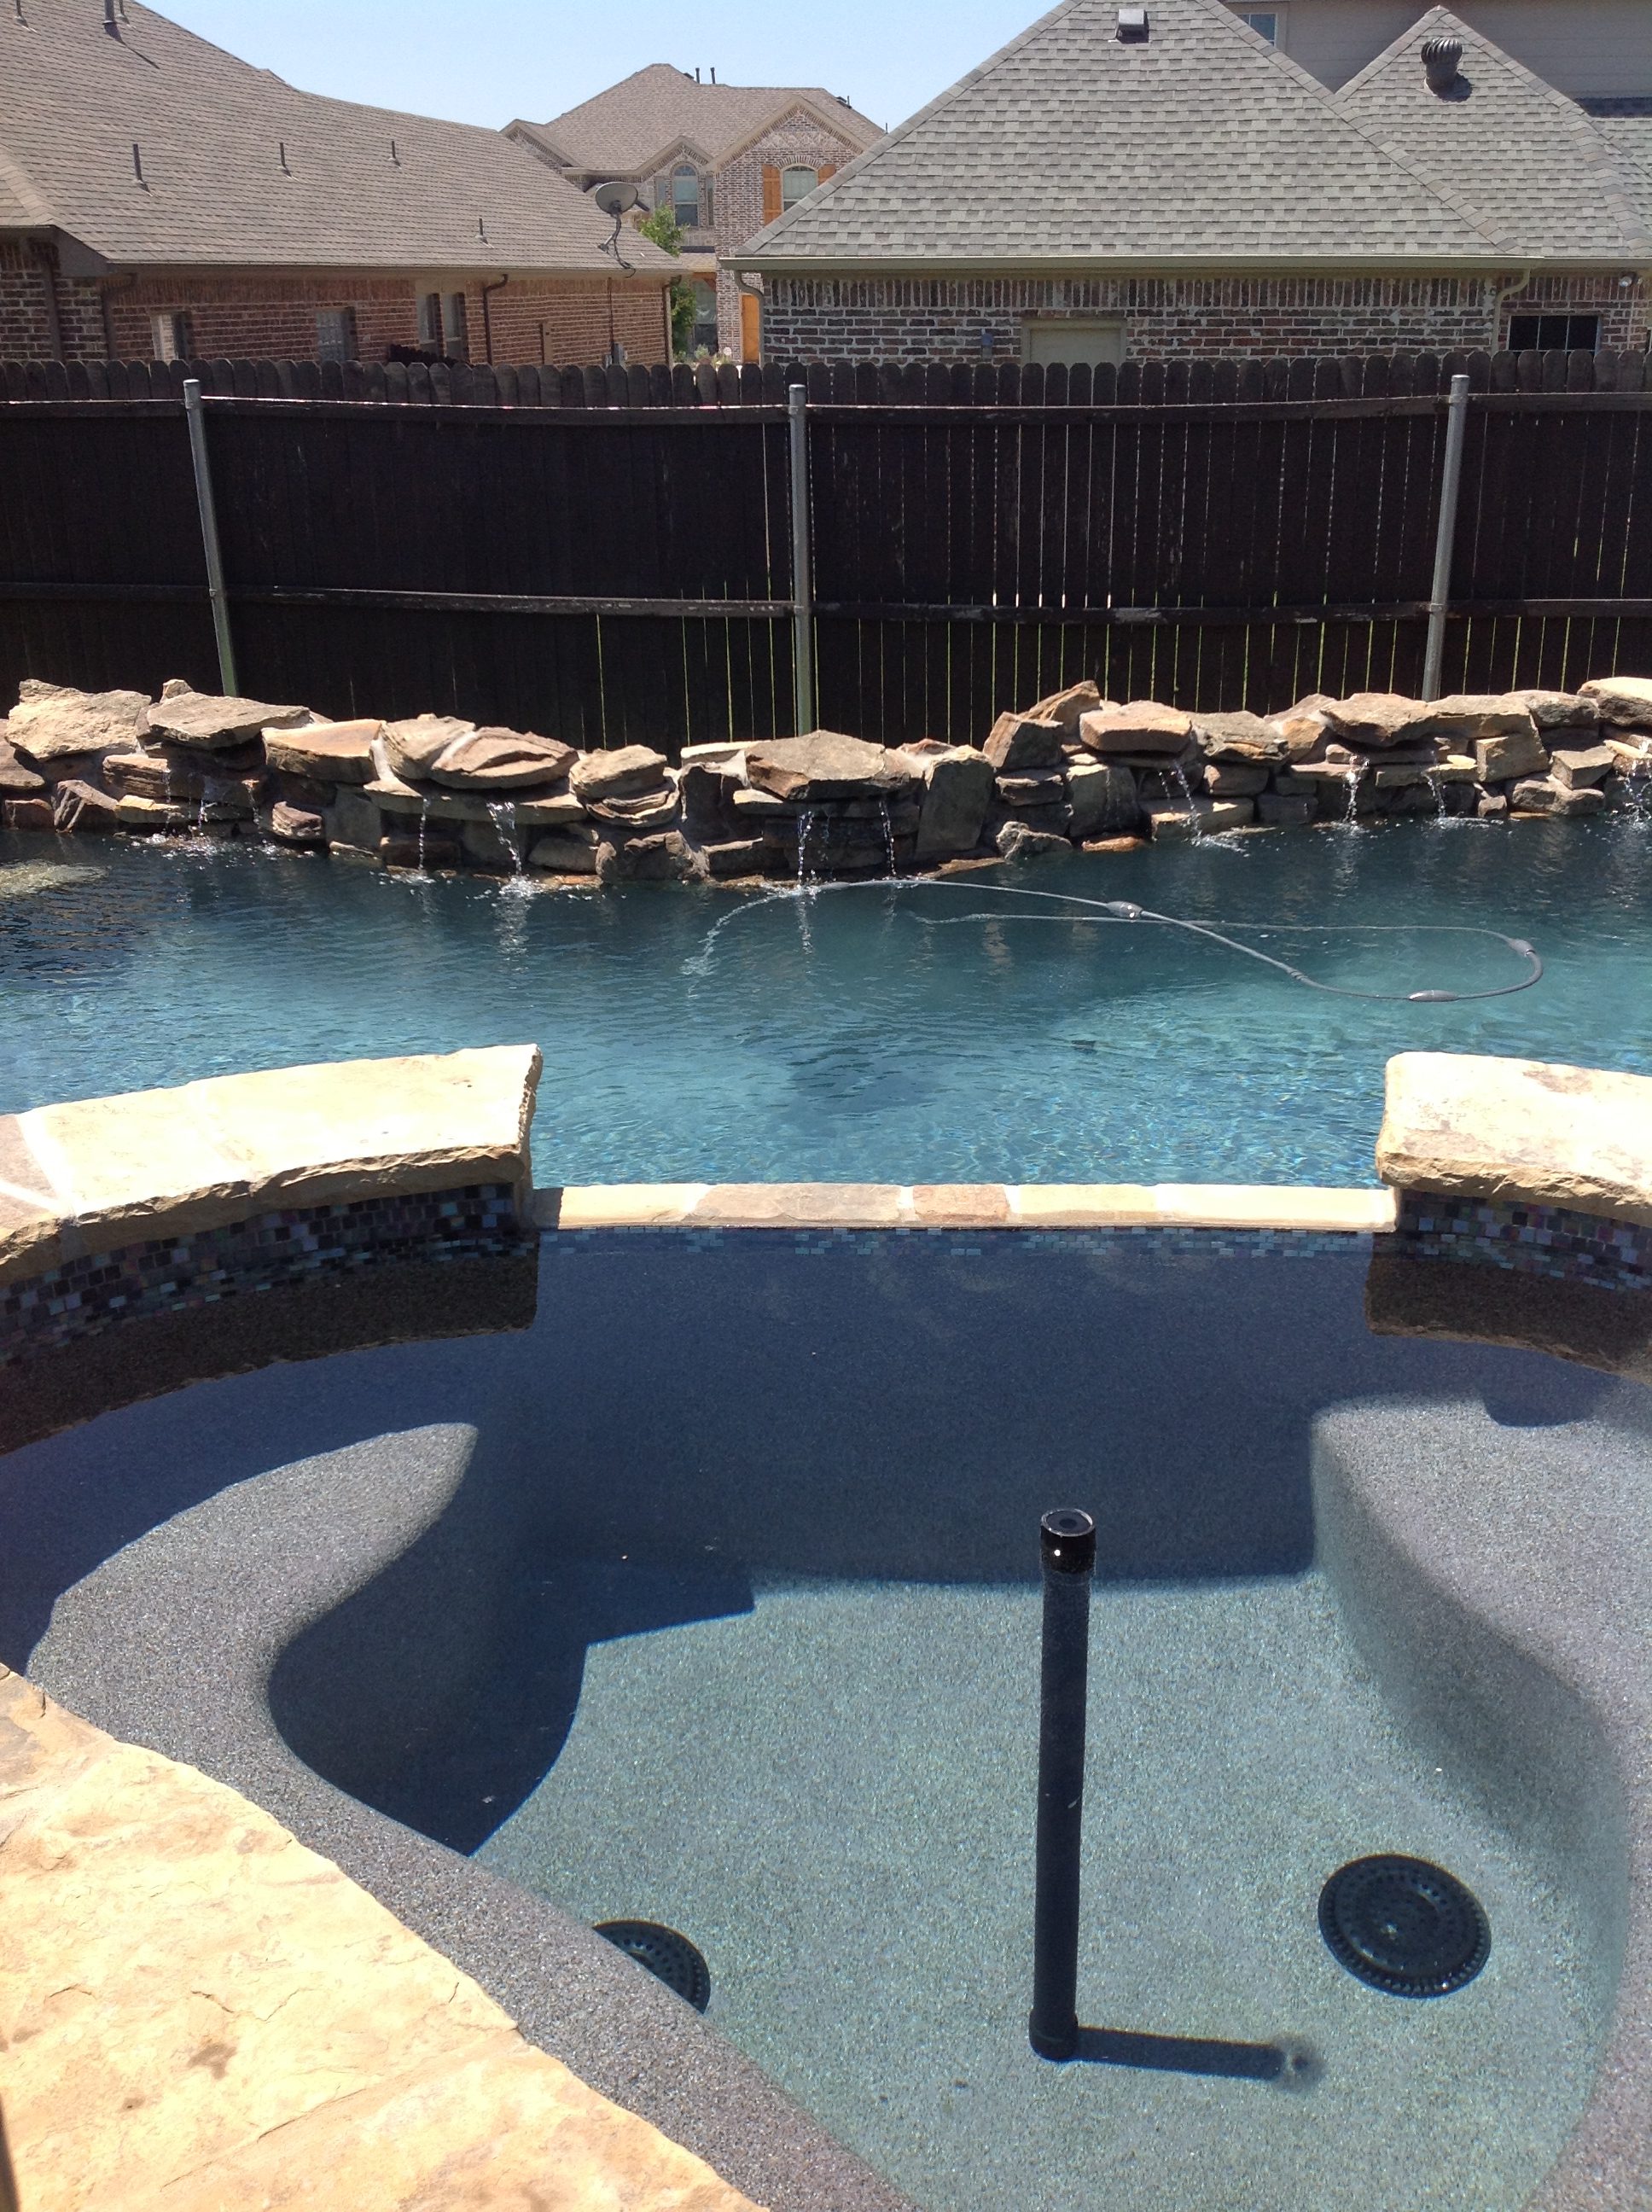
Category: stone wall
[1073,770]
[968,317]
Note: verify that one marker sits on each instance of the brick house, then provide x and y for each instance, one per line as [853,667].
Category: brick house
[727,159]
[159,197]
[1165,180]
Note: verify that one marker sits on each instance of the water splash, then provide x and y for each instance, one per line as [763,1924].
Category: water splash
[1357,774]
[805,889]
[501,812]
[1195,825]
[424,817]
[889,834]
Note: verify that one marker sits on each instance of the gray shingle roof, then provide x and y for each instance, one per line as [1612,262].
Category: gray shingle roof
[1206,144]
[635,125]
[1533,167]
[210,129]
[1069,147]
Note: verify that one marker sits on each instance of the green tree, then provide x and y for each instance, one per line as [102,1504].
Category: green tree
[663,227]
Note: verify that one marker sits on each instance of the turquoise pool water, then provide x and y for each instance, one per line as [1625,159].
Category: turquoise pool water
[877,1033]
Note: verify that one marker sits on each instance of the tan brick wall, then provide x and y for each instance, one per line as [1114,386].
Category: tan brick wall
[899,318]
[797,141]
[248,316]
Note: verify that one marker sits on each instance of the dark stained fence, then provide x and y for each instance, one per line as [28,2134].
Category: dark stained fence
[589,553]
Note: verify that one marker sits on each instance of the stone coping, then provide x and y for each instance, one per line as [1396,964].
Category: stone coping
[806,1206]
[196,2011]
[96,1175]
[1465,1125]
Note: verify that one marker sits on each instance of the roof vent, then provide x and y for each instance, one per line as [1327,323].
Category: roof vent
[1133,26]
[1442,58]
[109,23]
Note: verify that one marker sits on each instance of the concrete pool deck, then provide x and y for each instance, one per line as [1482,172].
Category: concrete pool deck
[71,1185]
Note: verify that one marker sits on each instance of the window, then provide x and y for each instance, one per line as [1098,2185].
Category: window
[796,185]
[1264,20]
[456,341]
[430,322]
[705,314]
[1072,340]
[1554,333]
[334,334]
[171,337]
[685,197]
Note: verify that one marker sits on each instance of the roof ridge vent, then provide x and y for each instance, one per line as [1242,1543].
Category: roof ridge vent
[1132,27]
[1442,58]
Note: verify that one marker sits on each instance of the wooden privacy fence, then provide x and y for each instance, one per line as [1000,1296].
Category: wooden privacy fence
[623,574]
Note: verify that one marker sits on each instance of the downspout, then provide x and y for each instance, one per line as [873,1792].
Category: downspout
[1509,292]
[47,262]
[487,290]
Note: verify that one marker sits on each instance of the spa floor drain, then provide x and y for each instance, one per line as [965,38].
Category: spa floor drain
[1404,1926]
[665,1953]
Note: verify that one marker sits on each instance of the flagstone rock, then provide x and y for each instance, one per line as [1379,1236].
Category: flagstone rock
[1102,797]
[27,814]
[1541,794]
[328,752]
[296,825]
[492,759]
[563,855]
[151,816]
[1465,719]
[80,806]
[1579,766]
[1239,738]
[1501,759]
[412,747]
[1069,707]
[620,774]
[15,780]
[54,722]
[1141,726]
[1300,733]
[1624,701]
[734,856]
[1019,840]
[1229,779]
[1045,787]
[956,791]
[1206,818]
[1558,710]
[1508,1130]
[1279,810]
[207,721]
[1018,743]
[824,765]
[644,810]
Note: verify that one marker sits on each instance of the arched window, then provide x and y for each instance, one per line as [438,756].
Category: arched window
[796,185]
[685,196]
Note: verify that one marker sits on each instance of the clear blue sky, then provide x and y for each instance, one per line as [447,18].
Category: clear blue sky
[489,60]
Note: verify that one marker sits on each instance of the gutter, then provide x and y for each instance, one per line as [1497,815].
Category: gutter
[1142,265]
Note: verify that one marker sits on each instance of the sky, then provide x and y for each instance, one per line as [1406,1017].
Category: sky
[489,63]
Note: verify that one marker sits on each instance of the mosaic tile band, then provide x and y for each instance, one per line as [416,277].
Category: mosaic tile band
[1526,1239]
[170,1274]
[1201,1243]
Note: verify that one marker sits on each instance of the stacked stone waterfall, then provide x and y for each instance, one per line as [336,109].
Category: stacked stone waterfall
[1075,770]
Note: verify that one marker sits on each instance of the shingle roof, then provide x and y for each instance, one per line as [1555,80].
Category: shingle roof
[210,129]
[636,124]
[1533,168]
[1204,144]
[1626,124]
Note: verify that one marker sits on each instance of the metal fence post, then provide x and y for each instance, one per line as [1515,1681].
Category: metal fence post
[803,581]
[1067,1547]
[195,417]
[1450,480]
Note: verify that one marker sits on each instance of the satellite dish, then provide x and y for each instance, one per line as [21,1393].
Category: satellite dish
[616,199]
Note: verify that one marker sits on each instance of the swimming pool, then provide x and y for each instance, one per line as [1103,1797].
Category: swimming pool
[711,1598]
[871,1033]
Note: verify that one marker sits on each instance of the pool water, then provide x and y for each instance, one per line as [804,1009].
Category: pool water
[732,1623]
[927,1032]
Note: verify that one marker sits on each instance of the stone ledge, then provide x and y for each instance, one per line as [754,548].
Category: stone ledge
[1516,1131]
[196,2011]
[98,1174]
[805,1206]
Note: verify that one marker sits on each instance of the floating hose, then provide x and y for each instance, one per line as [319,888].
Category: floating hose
[1125,910]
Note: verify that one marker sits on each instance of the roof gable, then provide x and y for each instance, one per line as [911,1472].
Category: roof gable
[1203,144]
[240,167]
[1534,170]
[632,127]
